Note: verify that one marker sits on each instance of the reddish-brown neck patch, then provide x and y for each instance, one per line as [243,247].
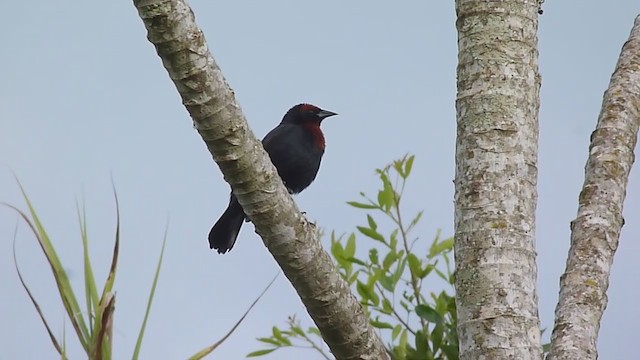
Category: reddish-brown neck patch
[318,136]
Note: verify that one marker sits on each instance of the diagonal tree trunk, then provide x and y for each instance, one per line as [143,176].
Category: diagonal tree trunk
[292,241]
[596,230]
[495,184]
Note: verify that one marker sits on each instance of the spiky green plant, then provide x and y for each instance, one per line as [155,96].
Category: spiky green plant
[94,326]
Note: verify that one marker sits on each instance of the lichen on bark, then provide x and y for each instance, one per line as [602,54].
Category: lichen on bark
[596,230]
[496,176]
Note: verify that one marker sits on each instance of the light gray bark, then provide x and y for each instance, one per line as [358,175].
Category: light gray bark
[596,230]
[495,184]
[292,241]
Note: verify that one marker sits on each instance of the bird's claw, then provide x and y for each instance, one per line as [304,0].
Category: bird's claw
[306,221]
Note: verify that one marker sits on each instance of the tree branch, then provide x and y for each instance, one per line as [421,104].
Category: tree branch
[596,230]
[292,241]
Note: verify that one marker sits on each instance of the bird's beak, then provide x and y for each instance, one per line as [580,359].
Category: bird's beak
[325,114]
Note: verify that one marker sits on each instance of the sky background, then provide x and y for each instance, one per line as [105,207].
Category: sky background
[84,97]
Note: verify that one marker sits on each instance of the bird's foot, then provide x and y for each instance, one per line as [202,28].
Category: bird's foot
[306,221]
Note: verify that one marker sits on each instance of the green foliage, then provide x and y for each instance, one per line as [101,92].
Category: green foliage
[94,326]
[415,323]
[293,336]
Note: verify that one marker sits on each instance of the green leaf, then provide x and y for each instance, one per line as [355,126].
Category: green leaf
[362,291]
[403,339]
[353,277]
[350,249]
[367,293]
[375,299]
[344,273]
[337,250]
[356,261]
[314,331]
[136,351]
[277,334]
[103,335]
[397,165]
[297,330]
[441,274]
[428,313]
[442,303]
[439,247]
[393,242]
[396,332]
[63,353]
[451,308]
[415,265]
[436,337]
[451,351]
[408,165]
[372,223]
[385,197]
[405,306]
[260,352]
[373,256]
[359,205]
[387,308]
[374,276]
[422,345]
[111,278]
[415,220]
[426,271]
[371,233]
[65,290]
[387,283]
[380,324]
[269,341]
[91,291]
[389,260]
[399,270]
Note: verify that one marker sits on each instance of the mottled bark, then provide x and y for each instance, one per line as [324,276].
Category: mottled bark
[495,184]
[292,241]
[596,230]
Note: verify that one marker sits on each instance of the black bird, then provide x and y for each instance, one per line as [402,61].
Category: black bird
[295,147]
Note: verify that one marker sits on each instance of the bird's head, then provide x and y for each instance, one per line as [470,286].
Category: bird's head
[306,114]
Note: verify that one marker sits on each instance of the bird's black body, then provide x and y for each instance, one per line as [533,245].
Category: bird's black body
[295,147]
[297,167]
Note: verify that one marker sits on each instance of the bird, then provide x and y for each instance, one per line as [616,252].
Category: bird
[295,148]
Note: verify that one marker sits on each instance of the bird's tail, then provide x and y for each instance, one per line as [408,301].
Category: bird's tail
[223,234]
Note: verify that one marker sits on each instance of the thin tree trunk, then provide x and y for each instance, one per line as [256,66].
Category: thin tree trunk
[596,230]
[292,241]
[495,184]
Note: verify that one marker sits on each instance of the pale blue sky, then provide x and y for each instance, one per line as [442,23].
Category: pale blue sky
[84,96]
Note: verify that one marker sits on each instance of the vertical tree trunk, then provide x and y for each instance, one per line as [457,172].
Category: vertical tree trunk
[292,241]
[495,184]
[596,230]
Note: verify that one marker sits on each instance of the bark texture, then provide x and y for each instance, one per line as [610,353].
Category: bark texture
[495,183]
[292,241]
[596,230]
